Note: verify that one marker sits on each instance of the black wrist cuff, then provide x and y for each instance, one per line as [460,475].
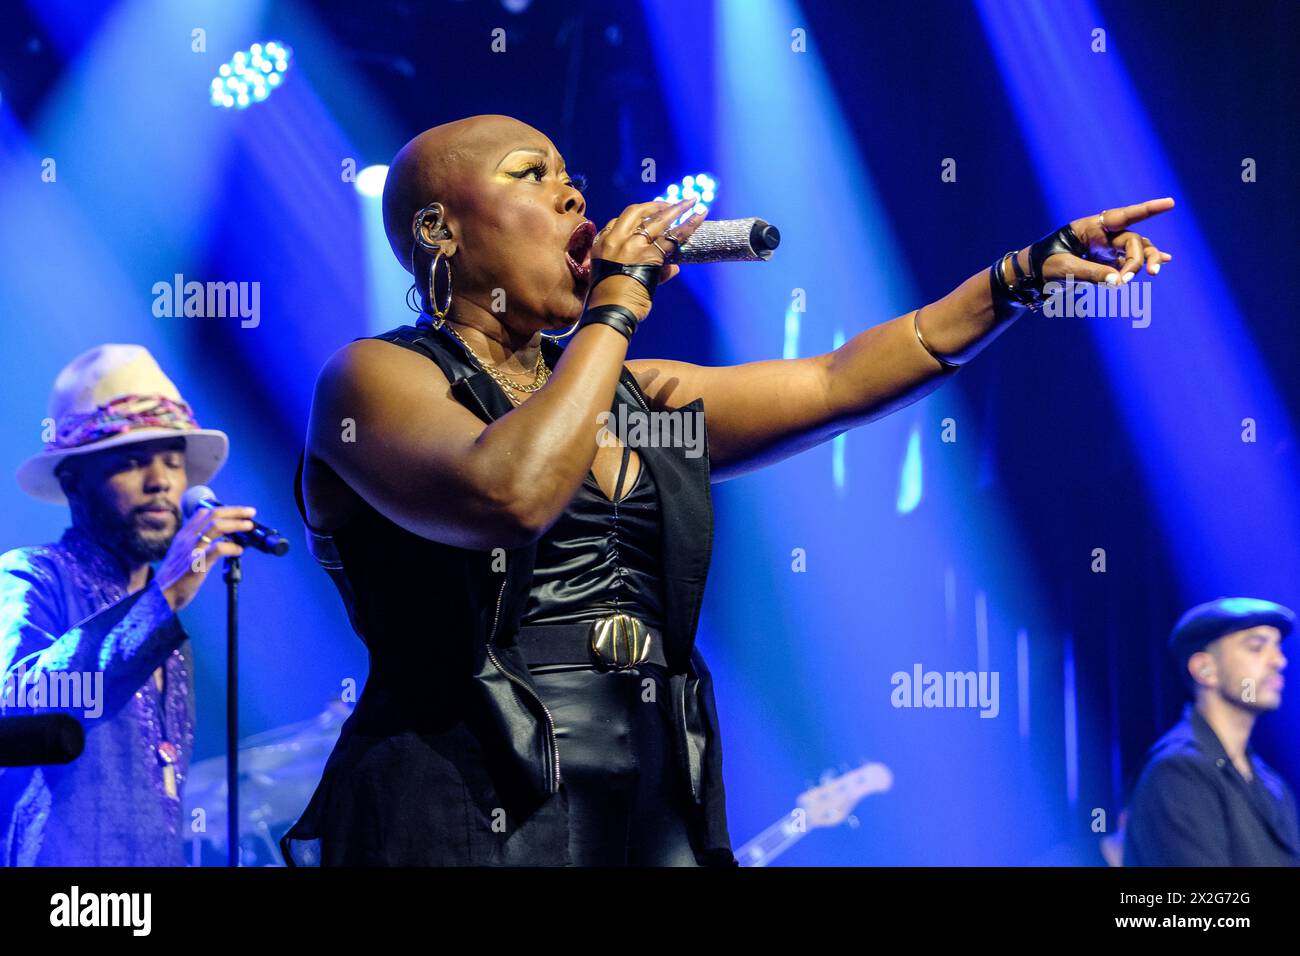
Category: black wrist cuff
[645,273]
[1029,289]
[1063,240]
[615,316]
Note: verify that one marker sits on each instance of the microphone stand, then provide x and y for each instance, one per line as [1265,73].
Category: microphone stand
[232,574]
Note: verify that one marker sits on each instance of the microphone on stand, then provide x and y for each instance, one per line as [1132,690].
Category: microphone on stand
[729,240]
[272,542]
[261,537]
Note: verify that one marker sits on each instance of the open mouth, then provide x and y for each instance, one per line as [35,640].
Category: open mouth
[578,252]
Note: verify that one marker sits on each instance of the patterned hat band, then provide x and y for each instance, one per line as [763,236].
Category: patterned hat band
[123,414]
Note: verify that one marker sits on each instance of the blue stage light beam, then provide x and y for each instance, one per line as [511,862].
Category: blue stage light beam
[361,128]
[153,170]
[387,283]
[293,218]
[38,293]
[803,632]
[1231,509]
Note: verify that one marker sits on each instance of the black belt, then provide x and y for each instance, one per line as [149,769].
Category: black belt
[615,642]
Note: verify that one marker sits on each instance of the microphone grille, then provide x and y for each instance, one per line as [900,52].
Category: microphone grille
[193,499]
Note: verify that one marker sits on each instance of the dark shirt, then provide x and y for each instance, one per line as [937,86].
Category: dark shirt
[64,610]
[1191,806]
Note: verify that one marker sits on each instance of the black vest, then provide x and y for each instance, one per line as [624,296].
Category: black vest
[414,602]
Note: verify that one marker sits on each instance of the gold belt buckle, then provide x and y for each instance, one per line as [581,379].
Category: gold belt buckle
[620,641]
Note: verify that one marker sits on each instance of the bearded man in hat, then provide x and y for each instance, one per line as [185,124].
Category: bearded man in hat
[91,611]
[1205,798]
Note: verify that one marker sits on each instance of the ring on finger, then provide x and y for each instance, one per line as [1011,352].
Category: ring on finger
[672,238]
[650,239]
[205,539]
[1108,233]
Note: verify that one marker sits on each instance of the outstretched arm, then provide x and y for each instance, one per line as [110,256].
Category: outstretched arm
[760,413]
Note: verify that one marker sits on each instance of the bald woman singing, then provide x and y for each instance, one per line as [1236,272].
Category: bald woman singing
[527,582]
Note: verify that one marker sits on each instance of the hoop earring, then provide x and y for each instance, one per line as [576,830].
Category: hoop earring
[439,313]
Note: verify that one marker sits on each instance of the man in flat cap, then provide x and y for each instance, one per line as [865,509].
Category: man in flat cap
[1205,798]
[88,614]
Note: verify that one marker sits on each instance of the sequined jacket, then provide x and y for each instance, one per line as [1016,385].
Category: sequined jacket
[64,609]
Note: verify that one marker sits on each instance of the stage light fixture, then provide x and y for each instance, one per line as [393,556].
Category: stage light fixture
[702,186]
[250,75]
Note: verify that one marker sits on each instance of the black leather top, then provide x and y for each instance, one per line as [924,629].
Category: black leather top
[601,557]
[450,727]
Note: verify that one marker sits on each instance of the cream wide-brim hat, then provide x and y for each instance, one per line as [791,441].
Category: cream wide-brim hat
[117,395]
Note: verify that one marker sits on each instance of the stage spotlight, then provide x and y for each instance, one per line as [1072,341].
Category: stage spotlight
[251,75]
[701,186]
[370,181]
[516,6]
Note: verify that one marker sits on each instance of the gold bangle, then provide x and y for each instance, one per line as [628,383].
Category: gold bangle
[916,325]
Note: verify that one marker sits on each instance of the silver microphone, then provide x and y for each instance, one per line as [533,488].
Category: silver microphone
[728,240]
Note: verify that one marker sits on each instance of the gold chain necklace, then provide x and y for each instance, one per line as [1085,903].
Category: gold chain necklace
[541,371]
